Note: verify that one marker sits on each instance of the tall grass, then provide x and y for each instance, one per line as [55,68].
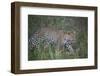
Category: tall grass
[51,52]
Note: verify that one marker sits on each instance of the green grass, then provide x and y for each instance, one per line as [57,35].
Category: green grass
[51,52]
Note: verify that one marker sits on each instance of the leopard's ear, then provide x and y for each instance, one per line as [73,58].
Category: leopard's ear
[69,33]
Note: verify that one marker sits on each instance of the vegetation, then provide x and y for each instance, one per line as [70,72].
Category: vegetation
[65,23]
